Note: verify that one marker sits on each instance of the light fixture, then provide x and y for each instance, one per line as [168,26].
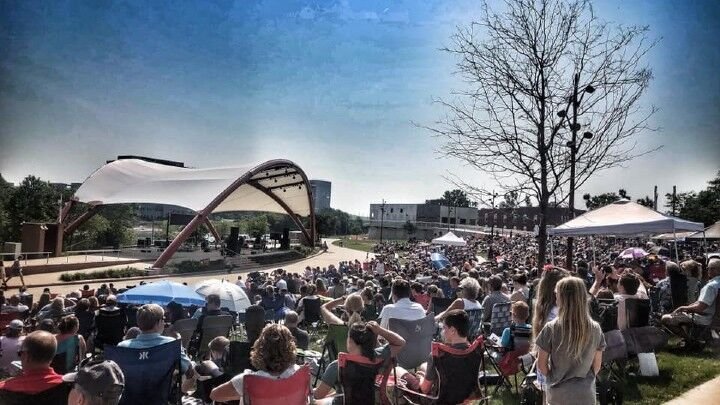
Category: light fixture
[275,180]
[284,190]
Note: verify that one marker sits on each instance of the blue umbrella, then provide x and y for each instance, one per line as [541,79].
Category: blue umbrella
[161,292]
[439,261]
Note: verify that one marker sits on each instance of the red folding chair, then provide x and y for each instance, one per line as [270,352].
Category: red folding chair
[88,293]
[362,378]
[458,374]
[259,390]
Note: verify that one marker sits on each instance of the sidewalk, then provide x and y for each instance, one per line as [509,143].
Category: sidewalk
[707,393]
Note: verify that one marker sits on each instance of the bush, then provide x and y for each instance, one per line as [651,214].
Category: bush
[101,274]
[191,266]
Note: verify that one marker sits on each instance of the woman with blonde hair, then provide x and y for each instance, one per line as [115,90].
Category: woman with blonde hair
[545,308]
[353,307]
[273,355]
[570,347]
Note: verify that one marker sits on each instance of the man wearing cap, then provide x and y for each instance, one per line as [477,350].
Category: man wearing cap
[9,345]
[96,383]
[36,353]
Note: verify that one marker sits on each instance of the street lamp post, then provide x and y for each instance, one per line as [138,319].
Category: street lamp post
[382,219]
[573,145]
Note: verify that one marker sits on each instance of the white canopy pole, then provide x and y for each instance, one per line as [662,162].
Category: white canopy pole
[677,256]
[552,255]
[592,239]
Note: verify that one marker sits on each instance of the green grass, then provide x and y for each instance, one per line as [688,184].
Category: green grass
[361,244]
[680,371]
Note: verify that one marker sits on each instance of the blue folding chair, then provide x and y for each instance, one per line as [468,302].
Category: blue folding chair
[149,373]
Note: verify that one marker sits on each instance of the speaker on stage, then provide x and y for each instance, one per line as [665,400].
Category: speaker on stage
[232,241]
[285,241]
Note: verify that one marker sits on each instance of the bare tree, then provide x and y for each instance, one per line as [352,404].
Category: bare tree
[537,73]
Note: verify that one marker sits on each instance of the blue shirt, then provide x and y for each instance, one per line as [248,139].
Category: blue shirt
[506,335]
[147,340]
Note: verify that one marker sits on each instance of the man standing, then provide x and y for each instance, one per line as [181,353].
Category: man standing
[36,353]
[16,271]
[402,307]
[96,383]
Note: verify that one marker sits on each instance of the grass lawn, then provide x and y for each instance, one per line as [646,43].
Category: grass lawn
[680,371]
[361,244]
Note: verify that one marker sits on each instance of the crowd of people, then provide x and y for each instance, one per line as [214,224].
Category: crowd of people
[554,301]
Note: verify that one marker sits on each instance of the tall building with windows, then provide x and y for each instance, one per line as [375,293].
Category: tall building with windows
[321,190]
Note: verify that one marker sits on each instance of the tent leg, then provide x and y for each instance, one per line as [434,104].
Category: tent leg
[592,239]
[552,254]
[677,256]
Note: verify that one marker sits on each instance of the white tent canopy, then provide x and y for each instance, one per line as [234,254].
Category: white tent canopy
[449,239]
[138,181]
[623,218]
[711,232]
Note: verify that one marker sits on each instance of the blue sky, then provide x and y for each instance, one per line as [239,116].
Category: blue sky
[333,85]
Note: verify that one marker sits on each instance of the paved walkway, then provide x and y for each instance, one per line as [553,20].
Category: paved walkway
[704,394]
[334,255]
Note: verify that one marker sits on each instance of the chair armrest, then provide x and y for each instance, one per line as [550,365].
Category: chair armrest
[420,394]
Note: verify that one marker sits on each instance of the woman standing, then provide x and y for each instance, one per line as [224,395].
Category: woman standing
[570,347]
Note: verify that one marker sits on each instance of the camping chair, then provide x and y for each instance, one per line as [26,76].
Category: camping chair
[475,316]
[88,293]
[212,327]
[458,372]
[637,312]
[186,328]
[335,342]
[270,315]
[311,311]
[57,395]
[510,364]
[361,378]
[67,355]
[110,327]
[418,337]
[259,390]
[607,314]
[149,373]
[238,359]
[500,318]
[699,335]
[439,305]
[611,377]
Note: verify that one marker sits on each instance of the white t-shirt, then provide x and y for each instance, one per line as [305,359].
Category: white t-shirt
[402,309]
[380,268]
[237,381]
[281,284]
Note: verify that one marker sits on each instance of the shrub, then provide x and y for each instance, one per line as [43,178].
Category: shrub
[101,274]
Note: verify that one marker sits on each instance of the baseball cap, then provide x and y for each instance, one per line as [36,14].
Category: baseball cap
[16,324]
[100,378]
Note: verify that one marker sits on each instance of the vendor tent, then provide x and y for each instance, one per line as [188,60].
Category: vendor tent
[711,232]
[449,239]
[623,218]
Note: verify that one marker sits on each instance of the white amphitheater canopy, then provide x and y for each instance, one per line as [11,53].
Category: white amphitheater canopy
[278,186]
[449,239]
[623,218]
[138,181]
